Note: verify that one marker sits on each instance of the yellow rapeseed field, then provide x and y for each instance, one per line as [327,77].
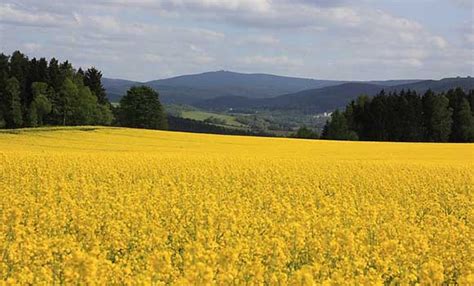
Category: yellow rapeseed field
[123,206]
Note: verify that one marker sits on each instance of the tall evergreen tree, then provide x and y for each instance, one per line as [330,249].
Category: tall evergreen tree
[4,71]
[93,79]
[470,98]
[411,112]
[66,70]
[377,118]
[13,114]
[361,118]
[4,75]
[350,118]
[54,74]
[337,128]
[33,72]
[456,102]
[19,68]
[31,77]
[395,106]
[463,131]
[437,117]
[43,75]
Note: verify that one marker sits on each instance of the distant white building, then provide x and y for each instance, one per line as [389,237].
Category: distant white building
[323,115]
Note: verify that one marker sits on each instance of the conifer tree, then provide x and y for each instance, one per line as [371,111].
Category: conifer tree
[14,117]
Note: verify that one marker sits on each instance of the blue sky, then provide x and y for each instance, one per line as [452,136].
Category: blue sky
[324,39]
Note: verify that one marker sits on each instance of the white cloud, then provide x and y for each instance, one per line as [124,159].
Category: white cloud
[439,42]
[269,60]
[258,6]
[11,14]
[153,58]
[32,47]
[267,40]
[317,38]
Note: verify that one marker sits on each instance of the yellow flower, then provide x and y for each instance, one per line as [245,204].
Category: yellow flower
[122,206]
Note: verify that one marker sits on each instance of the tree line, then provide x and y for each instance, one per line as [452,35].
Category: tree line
[406,116]
[176,123]
[36,92]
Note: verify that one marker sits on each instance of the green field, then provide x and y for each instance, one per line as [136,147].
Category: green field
[271,122]
[202,115]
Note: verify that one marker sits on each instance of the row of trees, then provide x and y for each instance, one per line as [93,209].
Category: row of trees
[406,116]
[37,92]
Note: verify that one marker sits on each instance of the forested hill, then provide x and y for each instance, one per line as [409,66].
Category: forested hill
[224,90]
[332,97]
[191,88]
[240,84]
[465,83]
[318,100]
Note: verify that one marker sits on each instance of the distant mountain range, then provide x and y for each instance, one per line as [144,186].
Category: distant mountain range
[223,90]
[190,88]
[331,97]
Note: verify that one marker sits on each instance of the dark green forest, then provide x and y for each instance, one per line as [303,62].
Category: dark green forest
[406,116]
[35,92]
[190,125]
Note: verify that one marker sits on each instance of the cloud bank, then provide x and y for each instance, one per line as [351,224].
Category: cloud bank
[147,39]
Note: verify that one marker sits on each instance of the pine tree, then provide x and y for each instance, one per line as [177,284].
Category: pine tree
[412,117]
[19,68]
[54,75]
[470,98]
[4,74]
[93,79]
[456,101]
[43,75]
[13,114]
[436,117]
[361,118]
[464,131]
[395,113]
[337,128]
[377,118]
